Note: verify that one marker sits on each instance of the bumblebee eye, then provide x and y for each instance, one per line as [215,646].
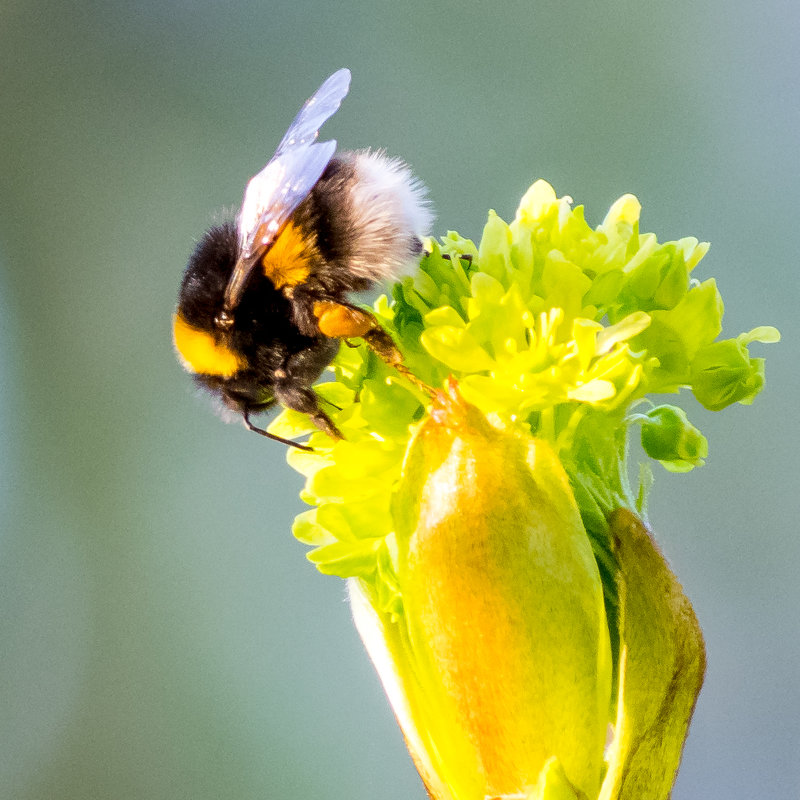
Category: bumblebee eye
[224,320]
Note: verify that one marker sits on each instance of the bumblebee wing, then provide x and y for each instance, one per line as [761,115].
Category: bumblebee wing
[272,196]
[319,107]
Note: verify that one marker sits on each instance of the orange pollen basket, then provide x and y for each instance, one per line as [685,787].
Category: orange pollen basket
[341,322]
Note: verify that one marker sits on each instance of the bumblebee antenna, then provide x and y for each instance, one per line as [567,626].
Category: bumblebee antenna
[249,425]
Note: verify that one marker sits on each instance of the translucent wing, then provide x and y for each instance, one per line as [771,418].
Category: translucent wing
[274,193]
[319,107]
[272,196]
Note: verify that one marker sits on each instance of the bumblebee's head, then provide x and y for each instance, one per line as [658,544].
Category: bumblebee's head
[205,347]
[237,362]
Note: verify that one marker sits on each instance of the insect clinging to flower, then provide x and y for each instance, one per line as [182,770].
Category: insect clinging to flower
[266,300]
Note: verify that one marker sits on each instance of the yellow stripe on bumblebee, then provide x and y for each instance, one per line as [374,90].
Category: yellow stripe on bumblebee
[287,262]
[200,352]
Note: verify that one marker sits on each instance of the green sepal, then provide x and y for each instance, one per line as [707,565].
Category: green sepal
[662,664]
[674,336]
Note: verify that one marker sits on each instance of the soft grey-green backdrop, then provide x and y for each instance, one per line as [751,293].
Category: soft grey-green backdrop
[162,634]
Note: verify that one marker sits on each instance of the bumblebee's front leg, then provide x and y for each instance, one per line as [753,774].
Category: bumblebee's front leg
[300,398]
[342,321]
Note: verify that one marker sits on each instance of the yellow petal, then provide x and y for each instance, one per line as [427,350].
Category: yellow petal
[625,210]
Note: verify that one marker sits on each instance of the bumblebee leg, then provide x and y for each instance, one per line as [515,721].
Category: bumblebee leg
[339,320]
[463,257]
[342,321]
[384,347]
[305,401]
[289,442]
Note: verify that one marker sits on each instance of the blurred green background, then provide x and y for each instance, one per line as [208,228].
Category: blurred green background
[162,634]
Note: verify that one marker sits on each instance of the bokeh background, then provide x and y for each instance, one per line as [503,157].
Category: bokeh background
[162,633]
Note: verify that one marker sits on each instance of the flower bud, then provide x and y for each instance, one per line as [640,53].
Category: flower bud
[507,662]
[724,373]
[669,437]
[467,550]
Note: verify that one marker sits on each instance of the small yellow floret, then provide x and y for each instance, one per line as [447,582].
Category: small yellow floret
[536,201]
[625,210]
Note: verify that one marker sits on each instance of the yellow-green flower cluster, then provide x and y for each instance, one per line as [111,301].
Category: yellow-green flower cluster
[501,573]
[547,323]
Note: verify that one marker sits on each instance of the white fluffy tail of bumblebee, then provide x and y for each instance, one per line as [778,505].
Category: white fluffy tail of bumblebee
[391,216]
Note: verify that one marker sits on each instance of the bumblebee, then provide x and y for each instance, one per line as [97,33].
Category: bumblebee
[265,300]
